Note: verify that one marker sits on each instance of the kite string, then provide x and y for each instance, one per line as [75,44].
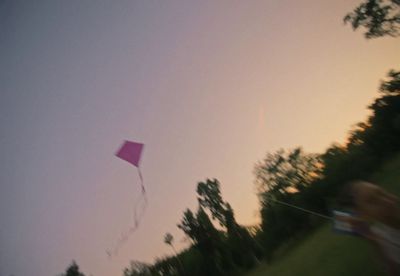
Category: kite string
[141,181]
[301,209]
[138,215]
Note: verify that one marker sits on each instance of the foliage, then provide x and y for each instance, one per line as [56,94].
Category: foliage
[138,269]
[284,176]
[286,172]
[168,238]
[392,85]
[241,246]
[222,251]
[209,196]
[73,270]
[379,17]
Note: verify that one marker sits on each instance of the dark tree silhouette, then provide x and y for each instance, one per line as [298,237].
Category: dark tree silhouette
[284,172]
[138,269]
[240,244]
[287,176]
[379,17]
[73,270]
[209,197]
[392,85]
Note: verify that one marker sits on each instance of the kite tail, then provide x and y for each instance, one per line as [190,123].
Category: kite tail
[141,204]
[139,211]
[141,181]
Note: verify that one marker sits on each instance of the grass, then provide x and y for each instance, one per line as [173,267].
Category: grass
[326,253]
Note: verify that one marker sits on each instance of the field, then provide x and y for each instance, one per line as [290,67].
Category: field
[326,253]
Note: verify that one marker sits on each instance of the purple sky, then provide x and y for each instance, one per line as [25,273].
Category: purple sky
[208,86]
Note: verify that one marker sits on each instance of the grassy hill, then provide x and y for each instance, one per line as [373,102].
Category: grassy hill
[326,253]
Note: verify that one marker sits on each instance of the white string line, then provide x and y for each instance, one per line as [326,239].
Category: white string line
[302,209]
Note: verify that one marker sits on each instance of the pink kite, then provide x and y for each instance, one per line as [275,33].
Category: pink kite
[131,152]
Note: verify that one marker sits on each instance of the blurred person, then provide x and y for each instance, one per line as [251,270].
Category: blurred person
[376,217]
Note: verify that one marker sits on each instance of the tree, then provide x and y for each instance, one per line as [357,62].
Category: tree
[138,269]
[168,239]
[378,138]
[166,266]
[287,176]
[189,225]
[379,17]
[240,243]
[200,230]
[207,240]
[209,196]
[73,270]
[285,172]
[392,85]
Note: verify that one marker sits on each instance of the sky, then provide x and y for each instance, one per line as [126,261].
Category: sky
[209,86]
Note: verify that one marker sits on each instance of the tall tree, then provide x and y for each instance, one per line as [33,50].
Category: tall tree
[207,240]
[240,243]
[285,176]
[209,197]
[200,229]
[168,239]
